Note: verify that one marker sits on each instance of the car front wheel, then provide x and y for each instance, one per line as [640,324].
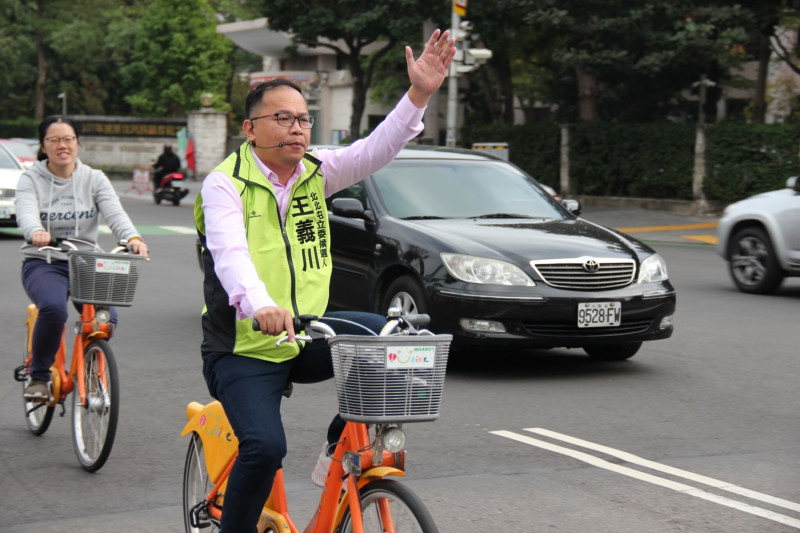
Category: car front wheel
[613,352]
[406,294]
[752,263]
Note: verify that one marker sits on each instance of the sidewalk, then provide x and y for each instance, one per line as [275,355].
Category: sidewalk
[644,224]
[655,226]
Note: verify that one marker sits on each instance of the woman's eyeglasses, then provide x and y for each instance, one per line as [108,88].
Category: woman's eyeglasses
[58,140]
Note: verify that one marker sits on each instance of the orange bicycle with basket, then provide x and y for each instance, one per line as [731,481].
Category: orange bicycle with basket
[382,381]
[97,280]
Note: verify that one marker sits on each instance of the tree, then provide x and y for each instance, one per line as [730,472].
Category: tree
[349,27]
[772,17]
[18,56]
[176,56]
[615,45]
[55,36]
[513,46]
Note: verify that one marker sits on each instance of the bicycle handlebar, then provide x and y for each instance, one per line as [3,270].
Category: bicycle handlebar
[67,244]
[417,320]
[317,330]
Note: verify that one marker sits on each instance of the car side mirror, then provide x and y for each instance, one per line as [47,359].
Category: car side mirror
[573,206]
[793,183]
[347,207]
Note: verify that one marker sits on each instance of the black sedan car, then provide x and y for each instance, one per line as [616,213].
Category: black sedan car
[497,262]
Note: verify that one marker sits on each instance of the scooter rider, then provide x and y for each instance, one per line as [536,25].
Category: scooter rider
[167,163]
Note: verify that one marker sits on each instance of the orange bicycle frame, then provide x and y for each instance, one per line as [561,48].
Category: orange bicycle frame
[63,383]
[209,423]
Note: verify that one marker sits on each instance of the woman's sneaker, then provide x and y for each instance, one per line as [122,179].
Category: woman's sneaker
[37,390]
[320,472]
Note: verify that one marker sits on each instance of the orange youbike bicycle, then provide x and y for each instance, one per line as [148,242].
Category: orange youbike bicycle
[382,381]
[97,280]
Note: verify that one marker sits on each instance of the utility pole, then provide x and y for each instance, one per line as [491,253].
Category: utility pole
[466,60]
[63,98]
[452,87]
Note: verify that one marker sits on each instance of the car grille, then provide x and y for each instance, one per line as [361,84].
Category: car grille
[572,330]
[586,273]
[7,193]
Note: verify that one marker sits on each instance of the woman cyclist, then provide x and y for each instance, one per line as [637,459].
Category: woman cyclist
[60,197]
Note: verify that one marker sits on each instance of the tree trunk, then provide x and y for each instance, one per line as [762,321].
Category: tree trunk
[502,69]
[41,78]
[587,95]
[760,99]
[359,101]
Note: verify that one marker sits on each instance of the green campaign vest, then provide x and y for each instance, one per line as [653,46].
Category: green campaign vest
[292,259]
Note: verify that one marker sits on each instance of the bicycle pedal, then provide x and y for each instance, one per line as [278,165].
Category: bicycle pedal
[21,373]
[198,516]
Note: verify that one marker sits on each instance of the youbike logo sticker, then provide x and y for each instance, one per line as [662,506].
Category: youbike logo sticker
[410,356]
[112,266]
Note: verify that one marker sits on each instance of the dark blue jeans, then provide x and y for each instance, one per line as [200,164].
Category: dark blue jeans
[250,391]
[47,285]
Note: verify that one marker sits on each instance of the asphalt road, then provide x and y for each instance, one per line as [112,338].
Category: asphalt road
[698,433]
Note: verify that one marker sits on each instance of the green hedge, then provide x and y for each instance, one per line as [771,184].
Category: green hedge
[19,127]
[535,148]
[639,160]
[653,160]
[745,159]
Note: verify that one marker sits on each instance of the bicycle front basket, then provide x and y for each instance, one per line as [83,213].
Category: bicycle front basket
[389,379]
[103,279]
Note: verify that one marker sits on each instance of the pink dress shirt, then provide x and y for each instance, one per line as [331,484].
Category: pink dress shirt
[223,212]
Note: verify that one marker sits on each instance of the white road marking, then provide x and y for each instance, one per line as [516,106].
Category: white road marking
[642,476]
[181,229]
[635,459]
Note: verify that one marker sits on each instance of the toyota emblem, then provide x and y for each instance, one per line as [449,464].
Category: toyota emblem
[591,265]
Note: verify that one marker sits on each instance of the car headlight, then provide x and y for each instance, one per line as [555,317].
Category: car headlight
[483,270]
[653,269]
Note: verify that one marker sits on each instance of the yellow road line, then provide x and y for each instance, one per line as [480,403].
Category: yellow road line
[708,239]
[642,229]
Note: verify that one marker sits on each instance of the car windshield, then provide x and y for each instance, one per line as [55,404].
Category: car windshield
[20,149]
[461,189]
[7,161]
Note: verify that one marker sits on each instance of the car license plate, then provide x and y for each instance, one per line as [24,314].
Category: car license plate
[599,314]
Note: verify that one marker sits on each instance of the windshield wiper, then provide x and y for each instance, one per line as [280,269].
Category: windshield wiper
[504,215]
[423,217]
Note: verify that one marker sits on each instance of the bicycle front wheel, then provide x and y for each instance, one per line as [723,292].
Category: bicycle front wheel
[195,487]
[388,505]
[94,424]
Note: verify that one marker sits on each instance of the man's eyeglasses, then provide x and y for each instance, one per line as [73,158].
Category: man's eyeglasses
[58,140]
[287,120]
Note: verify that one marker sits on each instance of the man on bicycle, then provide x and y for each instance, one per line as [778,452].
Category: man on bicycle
[263,223]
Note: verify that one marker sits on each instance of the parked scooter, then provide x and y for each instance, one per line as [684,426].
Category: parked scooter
[170,189]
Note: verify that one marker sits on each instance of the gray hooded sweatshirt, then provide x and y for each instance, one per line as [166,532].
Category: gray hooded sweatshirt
[68,207]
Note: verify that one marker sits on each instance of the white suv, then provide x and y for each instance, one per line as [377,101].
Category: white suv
[10,171]
[759,237]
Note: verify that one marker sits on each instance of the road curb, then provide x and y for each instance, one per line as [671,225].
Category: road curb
[696,208]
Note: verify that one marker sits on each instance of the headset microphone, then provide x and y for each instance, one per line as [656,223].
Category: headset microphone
[279,145]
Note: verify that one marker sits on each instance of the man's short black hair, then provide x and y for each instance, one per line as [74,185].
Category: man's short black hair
[257,93]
